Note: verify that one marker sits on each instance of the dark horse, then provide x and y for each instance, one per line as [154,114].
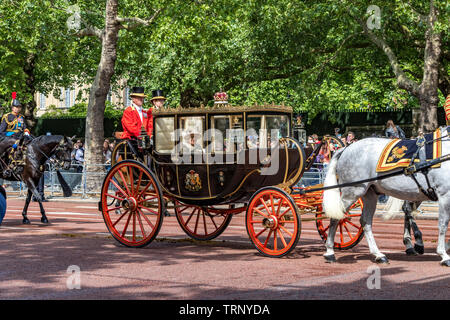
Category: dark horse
[56,149]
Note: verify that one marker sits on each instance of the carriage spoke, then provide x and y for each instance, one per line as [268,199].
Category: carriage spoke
[196,222]
[115,197]
[214,223]
[126,225]
[275,240]
[286,230]
[265,204]
[120,189]
[139,183]
[271,203]
[282,238]
[287,210]
[120,218]
[124,182]
[280,204]
[261,232]
[267,239]
[134,226]
[141,225]
[130,175]
[146,219]
[149,210]
[192,213]
[258,211]
[204,222]
[351,223]
[115,208]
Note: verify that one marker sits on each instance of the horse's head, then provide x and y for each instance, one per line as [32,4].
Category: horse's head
[62,153]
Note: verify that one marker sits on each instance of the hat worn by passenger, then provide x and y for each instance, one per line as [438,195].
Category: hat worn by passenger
[138,92]
[158,95]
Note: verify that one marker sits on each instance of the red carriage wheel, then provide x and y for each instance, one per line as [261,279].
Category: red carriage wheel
[273,222]
[349,231]
[202,223]
[135,216]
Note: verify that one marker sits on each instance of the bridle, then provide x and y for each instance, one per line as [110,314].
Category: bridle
[58,163]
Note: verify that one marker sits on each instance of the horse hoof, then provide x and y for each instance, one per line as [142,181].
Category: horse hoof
[382,260]
[25,221]
[330,258]
[411,252]
[445,263]
[166,214]
[44,220]
[419,249]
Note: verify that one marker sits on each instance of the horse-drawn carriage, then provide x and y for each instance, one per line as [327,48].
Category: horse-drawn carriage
[208,164]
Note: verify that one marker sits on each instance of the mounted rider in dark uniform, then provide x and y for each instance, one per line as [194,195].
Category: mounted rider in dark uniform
[14,137]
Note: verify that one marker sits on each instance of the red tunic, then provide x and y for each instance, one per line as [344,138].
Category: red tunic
[131,122]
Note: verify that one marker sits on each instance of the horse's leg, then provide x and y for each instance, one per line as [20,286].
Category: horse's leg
[25,219]
[329,244]
[43,216]
[444,216]
[407,229]
[370,205]
[418,246]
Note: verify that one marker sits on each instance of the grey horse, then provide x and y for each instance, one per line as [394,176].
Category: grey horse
[358,162]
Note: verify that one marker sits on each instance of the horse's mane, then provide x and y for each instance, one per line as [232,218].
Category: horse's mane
[46,139]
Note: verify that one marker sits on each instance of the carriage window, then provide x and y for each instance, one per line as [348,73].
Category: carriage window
[164,134]
[254,125]
[224,124]
[192,129]
[280,122]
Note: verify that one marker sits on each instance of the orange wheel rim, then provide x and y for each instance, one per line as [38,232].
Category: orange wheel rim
[131,204]
[272,222]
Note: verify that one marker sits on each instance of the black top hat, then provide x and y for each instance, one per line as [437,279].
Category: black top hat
[158,94]
[138,92]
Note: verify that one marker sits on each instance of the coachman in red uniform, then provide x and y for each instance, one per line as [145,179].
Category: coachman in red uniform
[135,118]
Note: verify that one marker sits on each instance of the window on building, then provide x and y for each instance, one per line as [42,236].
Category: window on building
[42,101]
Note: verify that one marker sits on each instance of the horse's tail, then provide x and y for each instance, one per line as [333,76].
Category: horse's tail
[332,202]
[393,208]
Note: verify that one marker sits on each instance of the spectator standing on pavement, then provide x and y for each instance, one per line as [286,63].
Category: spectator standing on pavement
[107,152]
[79,156]
[350,138]
[393,131]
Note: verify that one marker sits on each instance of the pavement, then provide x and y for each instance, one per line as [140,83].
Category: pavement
[74,258]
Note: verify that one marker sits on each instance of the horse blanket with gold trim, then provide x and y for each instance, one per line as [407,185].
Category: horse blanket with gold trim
[398,153]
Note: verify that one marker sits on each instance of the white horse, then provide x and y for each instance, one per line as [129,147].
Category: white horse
[358,162]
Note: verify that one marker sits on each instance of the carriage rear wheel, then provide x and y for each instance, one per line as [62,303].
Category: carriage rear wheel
[202,223]
[349,231]
[135,216]
[273,222]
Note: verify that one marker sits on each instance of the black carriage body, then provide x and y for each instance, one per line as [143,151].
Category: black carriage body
[209,175]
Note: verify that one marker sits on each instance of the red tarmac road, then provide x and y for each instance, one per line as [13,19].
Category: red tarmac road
[35,259]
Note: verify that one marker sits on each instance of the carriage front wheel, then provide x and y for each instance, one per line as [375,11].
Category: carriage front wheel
[273,222]
[132,204]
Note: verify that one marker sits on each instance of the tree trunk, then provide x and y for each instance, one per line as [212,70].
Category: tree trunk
[428,89]
[29,107]
[94,134]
